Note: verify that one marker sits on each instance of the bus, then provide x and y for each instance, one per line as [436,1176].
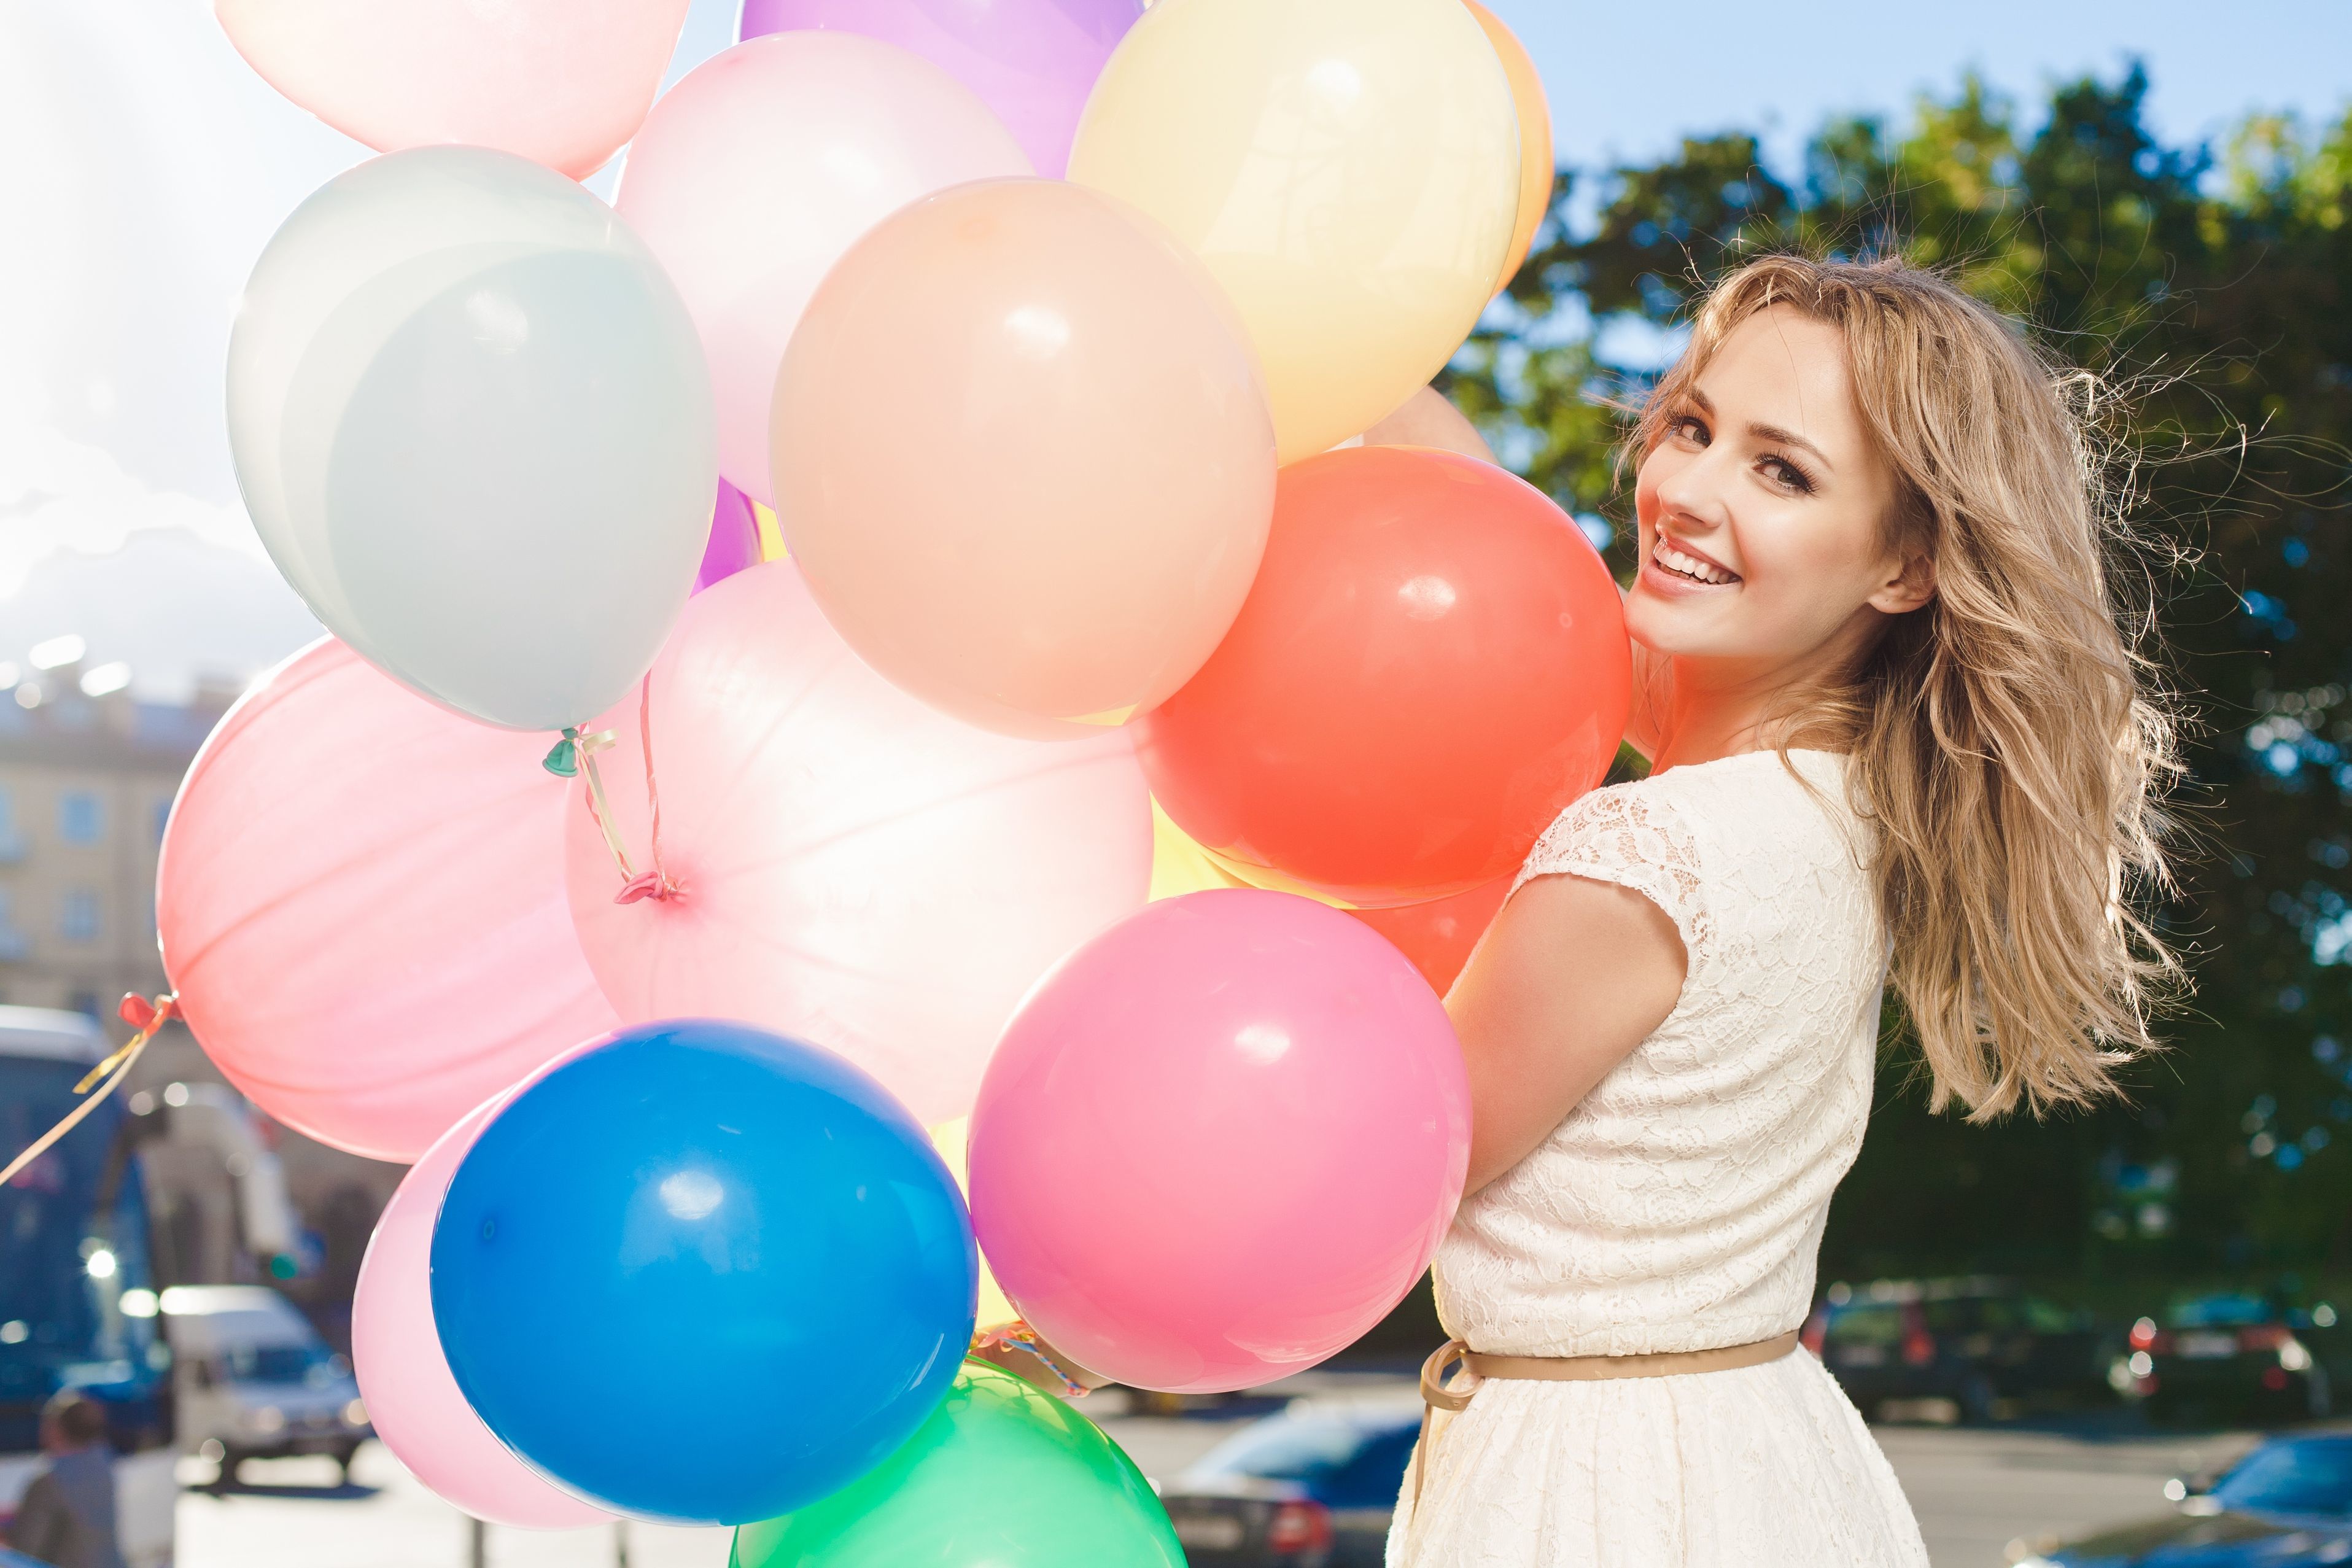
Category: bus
[80,1305]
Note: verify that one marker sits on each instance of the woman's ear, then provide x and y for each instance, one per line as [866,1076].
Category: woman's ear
[1911,586]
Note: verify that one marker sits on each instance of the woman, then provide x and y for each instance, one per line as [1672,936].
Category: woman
[1897,735]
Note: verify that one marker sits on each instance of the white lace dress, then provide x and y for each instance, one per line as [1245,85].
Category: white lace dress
[1679,1207]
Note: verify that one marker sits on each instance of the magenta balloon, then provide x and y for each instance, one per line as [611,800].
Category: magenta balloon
[857,871]
[1219,1142]
[1031,61]
[413,1401]
[361,903]
[734,538]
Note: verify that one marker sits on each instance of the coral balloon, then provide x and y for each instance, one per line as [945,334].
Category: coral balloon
[1030,61]
[647,1254]
[854,869]
[472,425]
[734,538]
[413,1402]
[1432,665]
[1097,464]
[1537,167]
[561,82]
[1347,169]
[1439,935]
[1219,1142]
[1002,1474]
[753,174]
[361,903]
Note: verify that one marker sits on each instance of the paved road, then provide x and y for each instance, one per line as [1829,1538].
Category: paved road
[1981,1497]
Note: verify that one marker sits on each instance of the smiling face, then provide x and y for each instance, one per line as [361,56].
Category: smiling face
[1763,509]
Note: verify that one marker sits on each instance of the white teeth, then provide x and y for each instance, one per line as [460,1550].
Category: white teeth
[1690,566]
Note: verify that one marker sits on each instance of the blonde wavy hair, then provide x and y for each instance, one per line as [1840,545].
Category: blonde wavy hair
[2010,741]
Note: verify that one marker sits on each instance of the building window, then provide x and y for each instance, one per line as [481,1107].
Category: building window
[78,915]
[79,820]
[12,843]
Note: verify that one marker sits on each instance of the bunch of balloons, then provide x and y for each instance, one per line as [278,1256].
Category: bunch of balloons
[875,665]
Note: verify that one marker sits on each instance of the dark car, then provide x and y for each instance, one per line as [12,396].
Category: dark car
[1956,1350]
[2286,1504]
[1313,1487]
[2230,1357]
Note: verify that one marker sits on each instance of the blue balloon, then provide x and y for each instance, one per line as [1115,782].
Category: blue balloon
[703,1273]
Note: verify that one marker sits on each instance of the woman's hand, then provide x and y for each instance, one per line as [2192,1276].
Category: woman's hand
[1570,977]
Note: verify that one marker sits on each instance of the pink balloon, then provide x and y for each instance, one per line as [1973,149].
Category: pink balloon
[563,82]
[856,869]
[753,174]
[1033,62]
[413,1401]
[360,904]
[1219,1142]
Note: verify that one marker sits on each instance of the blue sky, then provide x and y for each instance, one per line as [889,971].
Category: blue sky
[1626,81]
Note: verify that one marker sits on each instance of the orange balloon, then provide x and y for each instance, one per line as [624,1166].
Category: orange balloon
[1438,935]
[1431,666]
[1535,158]
[1022,453]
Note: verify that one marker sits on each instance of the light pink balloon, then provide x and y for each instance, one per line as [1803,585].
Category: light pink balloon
[754,174]
[563,82]
[857,871]
[1219,1142]
[361,903]
[413,1401]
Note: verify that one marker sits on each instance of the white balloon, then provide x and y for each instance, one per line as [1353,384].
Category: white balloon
[472,422]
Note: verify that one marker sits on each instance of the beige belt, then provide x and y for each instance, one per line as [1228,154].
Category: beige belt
[1436,1396]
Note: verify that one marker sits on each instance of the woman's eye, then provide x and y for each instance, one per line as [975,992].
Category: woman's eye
[1788,475]
[1687,428]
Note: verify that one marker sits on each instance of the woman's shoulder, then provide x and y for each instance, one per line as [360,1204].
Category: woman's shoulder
[1673,834]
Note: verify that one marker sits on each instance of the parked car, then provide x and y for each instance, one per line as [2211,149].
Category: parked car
[254,1380]
[2228,1357]
[1956,1350]
[1312,1487]
[2286,1504]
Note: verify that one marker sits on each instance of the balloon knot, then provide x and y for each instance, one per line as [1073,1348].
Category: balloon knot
[655,885]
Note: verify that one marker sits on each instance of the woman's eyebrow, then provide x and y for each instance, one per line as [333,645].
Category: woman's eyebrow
[1773,436]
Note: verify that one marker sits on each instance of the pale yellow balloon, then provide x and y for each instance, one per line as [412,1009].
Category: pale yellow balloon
[1347,169]
[952,1138]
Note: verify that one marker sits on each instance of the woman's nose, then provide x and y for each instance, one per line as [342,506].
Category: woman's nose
[1695,492]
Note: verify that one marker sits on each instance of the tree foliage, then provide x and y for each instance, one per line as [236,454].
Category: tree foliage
[2212,290]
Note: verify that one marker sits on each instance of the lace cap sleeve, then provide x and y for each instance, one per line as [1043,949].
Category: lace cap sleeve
[1637,839]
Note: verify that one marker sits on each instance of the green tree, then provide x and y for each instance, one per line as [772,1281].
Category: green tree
[2216,293]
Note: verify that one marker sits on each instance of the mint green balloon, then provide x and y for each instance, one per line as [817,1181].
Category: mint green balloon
[1001,1476]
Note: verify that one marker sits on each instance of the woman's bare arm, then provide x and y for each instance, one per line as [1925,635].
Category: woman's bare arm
[1570,977]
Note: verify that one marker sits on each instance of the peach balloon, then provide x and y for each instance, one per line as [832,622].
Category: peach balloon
[853,868]
[561,82]
[1538,164]
[753,174]
[1023,451]
[360,902]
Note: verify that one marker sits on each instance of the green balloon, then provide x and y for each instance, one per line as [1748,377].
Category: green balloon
[1003,1474]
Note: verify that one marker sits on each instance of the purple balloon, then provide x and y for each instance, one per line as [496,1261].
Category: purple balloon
[734,538]
[1031,61]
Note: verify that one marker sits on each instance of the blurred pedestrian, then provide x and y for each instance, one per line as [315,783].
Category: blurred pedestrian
[66,1516]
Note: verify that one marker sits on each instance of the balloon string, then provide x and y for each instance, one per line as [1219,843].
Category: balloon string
[1018,1335]
[146,1018]
[585,748]
[654,884]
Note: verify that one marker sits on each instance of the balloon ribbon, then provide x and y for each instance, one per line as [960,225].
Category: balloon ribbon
[1018,1335]
[144,1016]
[576,754]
